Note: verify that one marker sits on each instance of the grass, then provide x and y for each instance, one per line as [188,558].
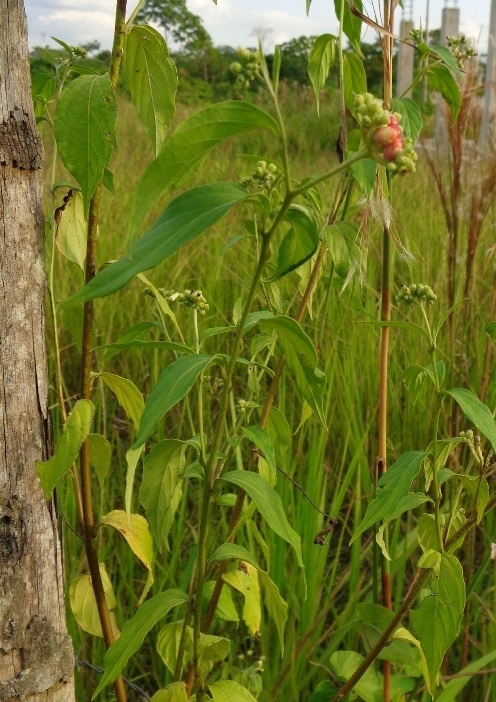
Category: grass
[333,466]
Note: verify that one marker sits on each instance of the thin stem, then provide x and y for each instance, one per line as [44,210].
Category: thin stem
[210,464]
[358,156]
[89,525]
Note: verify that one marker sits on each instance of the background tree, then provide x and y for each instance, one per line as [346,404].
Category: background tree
[36,658]
[178,24]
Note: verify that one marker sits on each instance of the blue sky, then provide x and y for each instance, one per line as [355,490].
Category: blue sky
[234,22]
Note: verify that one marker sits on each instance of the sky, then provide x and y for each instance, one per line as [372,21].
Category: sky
[237,22]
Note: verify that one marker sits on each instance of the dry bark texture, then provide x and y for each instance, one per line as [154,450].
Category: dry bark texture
[36,659]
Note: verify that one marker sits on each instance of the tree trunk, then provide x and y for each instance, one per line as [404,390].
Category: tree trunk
[36,658]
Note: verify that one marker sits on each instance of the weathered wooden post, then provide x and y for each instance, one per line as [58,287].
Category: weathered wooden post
[36,658]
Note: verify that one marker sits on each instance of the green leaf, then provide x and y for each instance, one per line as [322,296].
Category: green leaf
[394,486]
[229,691]
[320,61]
[262,441]
[280,435]
[189,144]
[83,603]
[75,431]
[411,117]
[456,685]
[343,242]
[134,631]
[43,87]
[478,489]
[276,606]
[490,329]
[175,692]
[355,78]
[226,609]
[324,692]
[161,487]
[168,640]
[187,216]
[476,412]
[100,452]
[299,243]
[364,172]
[269,505]
[301,359]
[127,394]
[440,79]
[151,78]
[374,619]
[352,25]
[427,532]
[446,57]
[173,384]
[369,687]
[415,377]
[132,458]
[230,551]
[72,229]
[84,127]
[437,620]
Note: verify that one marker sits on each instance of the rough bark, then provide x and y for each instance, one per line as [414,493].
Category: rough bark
[36,658]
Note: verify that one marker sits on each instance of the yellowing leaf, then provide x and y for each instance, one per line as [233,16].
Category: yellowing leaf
[83,603]
[127,394]
[134,528]
[245,580]
[72,229]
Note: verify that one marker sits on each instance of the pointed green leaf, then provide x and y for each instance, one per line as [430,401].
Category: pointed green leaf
[84,128]
[394,486]
[168,641]
[476,412]
[369,687]
[75,431]
[132,458]
[320,61]
[437,620]
[269,505]
[161,487]
[262,441]
[100,452]
[230,551]
[301,359]
[187,216]
[173,384]
[151,78]
[229,691]
[300,242]
[189,144]
[352,25]
[43,87]
[134,631]
[440,79]
[245,580]
[446,57]
[355,78]
[411,117]
[127,394]
[175,692]
[276,606]
[478,489]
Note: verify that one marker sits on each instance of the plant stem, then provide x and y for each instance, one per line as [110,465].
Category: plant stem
[89,526]
[209,466]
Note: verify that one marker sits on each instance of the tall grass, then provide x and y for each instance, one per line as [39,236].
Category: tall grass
[333,467]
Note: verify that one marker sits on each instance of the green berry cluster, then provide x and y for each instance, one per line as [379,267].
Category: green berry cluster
[249,70]
[245,406]
[417,35]
[383,134]
[263,176]
[189,298]
[461,49]
[416,292]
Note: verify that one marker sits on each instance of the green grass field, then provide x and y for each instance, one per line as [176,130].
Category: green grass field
[334,466]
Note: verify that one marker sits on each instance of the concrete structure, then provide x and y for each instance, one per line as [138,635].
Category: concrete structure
[404,76]
[489,115]
[450,27]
